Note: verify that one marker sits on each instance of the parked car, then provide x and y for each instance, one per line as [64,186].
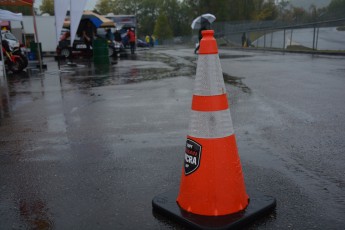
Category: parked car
[141,43]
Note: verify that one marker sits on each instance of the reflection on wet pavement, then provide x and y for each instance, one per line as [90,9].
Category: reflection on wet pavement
[44,111]
[4,102]
[85,74]
[79,149]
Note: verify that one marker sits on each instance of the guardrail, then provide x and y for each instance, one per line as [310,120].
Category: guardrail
[262,33]
[276,35]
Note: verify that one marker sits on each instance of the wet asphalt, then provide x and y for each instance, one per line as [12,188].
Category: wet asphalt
[89,146]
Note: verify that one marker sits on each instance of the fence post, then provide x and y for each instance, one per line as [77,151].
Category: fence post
[317,37]
[291,37]
[284,40]
[314,37]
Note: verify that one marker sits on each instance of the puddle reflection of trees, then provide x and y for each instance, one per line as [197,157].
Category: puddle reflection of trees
[16,85]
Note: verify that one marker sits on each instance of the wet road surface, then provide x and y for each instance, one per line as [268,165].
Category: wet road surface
[88,147]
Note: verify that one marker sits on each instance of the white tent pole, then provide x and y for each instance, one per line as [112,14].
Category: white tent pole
[23,33]
[36,35]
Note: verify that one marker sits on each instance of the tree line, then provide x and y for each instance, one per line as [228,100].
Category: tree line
[169,18]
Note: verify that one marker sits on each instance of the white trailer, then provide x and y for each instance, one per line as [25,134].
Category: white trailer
[45,31]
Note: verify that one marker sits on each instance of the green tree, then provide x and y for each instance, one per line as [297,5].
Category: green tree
[47,6]
[336,9]
[146,11]
[119,6]
[299,15]
[186,19]
[171,8]
[234,10]
[105,6]
[313,13]
[221,8]
[147,16]
[162,28]
[25,10]
[180,13]
[266,11]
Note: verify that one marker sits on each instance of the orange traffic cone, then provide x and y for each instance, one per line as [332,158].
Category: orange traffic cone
[212,191]
[212,183]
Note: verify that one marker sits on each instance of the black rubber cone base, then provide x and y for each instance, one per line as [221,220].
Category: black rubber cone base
[259,205]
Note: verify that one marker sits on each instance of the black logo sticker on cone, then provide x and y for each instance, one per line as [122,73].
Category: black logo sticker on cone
[192,156]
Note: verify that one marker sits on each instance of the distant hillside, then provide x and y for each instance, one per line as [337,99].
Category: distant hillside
[306,3]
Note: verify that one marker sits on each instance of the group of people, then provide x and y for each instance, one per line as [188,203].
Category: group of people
[89,33]
[150,40]
[116,36]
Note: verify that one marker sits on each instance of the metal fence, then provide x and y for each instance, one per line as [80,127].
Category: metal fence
[321,35]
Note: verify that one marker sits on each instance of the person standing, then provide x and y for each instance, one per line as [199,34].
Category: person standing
[244,40]
[88,34]
[200,37]
[152,41]
[147,39]
[131,38]
[117,35]
[109,35]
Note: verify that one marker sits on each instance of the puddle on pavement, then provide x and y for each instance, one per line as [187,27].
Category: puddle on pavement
[229,56]
[116,74]
[4,99]
[143,67]
[237,82]
[85,74]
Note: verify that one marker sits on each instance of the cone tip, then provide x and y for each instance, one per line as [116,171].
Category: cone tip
[208,44]
[207,33]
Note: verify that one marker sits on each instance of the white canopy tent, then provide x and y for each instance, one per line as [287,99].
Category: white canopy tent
[6,15]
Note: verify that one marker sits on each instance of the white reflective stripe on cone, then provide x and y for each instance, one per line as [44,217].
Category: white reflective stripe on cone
[211,124]
[209,76]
